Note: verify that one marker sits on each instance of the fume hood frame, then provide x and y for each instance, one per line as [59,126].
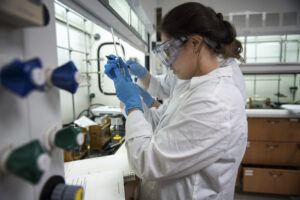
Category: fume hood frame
[99,56]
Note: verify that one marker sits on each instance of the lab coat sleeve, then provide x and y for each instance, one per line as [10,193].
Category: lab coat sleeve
[160,86]
[194,139]
[153,115]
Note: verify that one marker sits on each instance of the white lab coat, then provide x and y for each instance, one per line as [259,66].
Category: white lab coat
[193,150]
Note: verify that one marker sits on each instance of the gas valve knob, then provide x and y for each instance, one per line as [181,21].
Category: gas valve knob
[65,77]
[29,161]
[69,138]
[23,77]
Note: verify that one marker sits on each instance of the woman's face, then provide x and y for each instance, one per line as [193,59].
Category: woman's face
[185,65]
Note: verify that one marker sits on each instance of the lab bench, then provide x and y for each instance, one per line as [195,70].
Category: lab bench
[272,159]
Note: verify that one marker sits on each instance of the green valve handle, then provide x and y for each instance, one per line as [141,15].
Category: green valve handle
[69,138]
[28,161]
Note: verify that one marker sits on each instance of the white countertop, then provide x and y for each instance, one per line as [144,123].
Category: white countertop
[270,113]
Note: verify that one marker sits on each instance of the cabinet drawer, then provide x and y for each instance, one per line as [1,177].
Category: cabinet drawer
[274,129]
[272,153]
[274,181]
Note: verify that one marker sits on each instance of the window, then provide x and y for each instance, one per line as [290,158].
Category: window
[123,9]
[279,88]
[271,49]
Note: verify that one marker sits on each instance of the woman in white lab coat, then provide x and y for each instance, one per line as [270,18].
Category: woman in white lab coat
[197,145]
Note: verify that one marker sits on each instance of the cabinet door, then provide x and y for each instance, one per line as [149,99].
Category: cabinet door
[273,181]
[274,129]
[272,153]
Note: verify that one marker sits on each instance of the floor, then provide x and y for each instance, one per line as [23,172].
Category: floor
[255,196]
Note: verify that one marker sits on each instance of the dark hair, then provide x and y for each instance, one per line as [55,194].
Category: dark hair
[195,18]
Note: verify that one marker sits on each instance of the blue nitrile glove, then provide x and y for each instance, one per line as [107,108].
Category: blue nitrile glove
[136,69]
[126,91]
[111,63]
[147,98]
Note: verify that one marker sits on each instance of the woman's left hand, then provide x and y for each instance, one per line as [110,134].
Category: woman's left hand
[113,62]
[126,90]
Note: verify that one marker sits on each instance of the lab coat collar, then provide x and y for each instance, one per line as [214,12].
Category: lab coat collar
[220,72]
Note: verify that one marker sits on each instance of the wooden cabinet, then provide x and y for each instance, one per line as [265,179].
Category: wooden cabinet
[272,153]
[274,129]
[272,160]
[270,180]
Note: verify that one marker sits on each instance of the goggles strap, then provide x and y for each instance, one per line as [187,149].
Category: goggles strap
[210,43]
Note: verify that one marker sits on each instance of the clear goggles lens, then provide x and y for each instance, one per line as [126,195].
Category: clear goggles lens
[170,50]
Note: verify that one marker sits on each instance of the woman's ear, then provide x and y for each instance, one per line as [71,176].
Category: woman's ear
[197,43]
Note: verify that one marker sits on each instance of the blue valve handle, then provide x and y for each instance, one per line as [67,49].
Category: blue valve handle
[18,76]
[65,77]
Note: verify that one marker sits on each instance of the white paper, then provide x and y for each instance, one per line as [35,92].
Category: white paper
[109,171]
[104,185]
[84,122]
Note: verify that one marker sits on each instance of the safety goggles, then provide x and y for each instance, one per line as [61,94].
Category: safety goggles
[170,50]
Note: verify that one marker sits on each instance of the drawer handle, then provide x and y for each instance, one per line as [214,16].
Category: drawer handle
[272,146]
[298,145]
[294,120]
[275,174]
[273,122]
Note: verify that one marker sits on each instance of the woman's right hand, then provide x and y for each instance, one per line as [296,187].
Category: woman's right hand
[136,69]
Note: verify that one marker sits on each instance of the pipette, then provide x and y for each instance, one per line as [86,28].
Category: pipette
[113,37]
[124,57]
[135,79]
[121,47]
[116,51]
